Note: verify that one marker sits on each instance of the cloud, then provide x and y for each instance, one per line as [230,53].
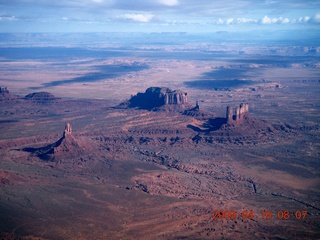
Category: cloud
[169,2]
[277,20]
[304,19]
[246,20]
[143,18]
[219,21]
[315,18]
[200,15]
[7,18]
[285,20]
[281,20]
[266,20]
[231,21]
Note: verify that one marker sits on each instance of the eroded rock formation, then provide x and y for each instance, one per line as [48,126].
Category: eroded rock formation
[4,90]
[197,112]
[5,94]
[67,130]
[155,97]
[40,96]
[67,147]
[237,114]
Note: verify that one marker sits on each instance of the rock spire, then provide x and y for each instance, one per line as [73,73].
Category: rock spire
[67,130]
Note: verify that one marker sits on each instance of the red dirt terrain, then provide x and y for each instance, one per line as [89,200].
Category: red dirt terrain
[129,172]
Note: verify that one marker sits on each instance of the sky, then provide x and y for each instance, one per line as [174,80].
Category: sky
[158,15]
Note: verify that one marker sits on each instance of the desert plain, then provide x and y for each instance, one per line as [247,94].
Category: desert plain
[179,172]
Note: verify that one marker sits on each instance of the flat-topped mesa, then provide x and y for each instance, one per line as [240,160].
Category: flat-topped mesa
[166,95]
[40,96]
[155,97]
[238,114]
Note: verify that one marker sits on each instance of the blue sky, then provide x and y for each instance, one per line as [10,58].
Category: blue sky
[158,15]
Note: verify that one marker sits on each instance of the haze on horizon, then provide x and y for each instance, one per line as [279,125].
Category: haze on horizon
[293,17]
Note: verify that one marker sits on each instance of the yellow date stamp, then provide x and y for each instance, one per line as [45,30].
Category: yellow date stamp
[263,214]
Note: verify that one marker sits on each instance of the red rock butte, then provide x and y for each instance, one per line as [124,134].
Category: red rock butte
[155,97]
[238,114]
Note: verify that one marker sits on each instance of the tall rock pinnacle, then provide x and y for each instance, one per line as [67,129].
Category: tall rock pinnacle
[67,130]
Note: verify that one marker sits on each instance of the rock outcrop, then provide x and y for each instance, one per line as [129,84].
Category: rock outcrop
[155,97]
[40,96]
[197,112]
[237,115]
[4,90]
[5,94]
[67,130]
[67,147]
[237,127]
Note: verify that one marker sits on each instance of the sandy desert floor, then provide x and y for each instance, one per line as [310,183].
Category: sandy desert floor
[138,174]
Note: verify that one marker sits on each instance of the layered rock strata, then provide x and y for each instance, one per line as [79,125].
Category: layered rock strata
[237,114]
[155,97]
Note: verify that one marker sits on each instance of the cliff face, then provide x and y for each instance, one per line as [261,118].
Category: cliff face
[67,130]
[157,97]
[176,97]
[237,115]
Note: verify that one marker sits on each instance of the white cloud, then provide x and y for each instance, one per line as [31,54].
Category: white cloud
[245,20]
[316,18]
[266,20]
[144,18]
[304,19]
[229,21]
[219,21]
[169,2]
[285,20]
[7,18]
[177,14]
[278,20]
